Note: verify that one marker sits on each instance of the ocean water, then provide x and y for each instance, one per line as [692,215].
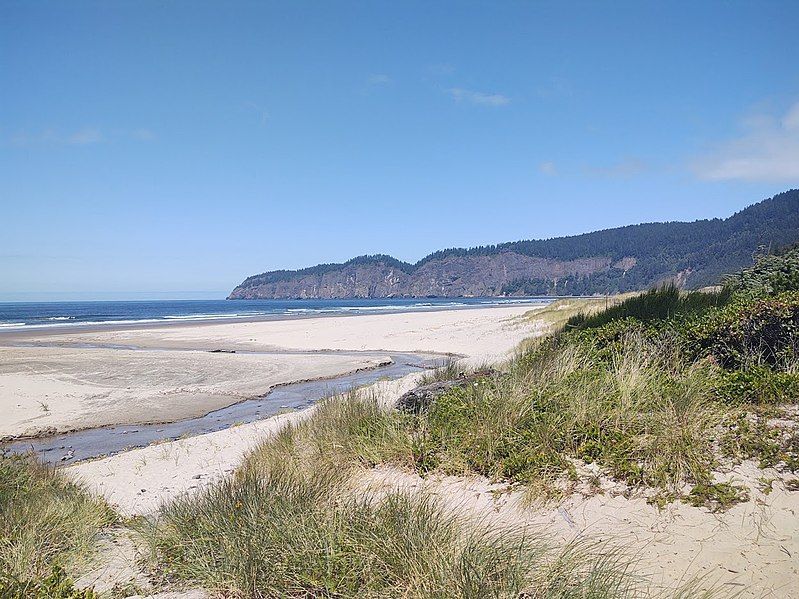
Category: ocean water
[16,316]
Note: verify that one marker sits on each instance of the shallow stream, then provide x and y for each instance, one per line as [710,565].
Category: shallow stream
[81,445]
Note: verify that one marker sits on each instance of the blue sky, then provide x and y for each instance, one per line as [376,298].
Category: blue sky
[169,149]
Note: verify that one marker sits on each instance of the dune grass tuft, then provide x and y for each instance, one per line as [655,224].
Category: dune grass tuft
[637,409]
[47,523]
[660,303]
[285,527]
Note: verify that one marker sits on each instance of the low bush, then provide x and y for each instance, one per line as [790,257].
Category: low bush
[757,385]
[749,332]
[771,274]
[717,497]
[657,304]
[57,585]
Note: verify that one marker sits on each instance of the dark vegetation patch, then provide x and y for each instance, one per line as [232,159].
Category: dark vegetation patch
[657,304]
[717,497]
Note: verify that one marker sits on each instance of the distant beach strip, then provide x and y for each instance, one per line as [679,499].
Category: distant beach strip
[21,316]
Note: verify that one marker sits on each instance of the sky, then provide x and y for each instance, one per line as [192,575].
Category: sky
[170,149]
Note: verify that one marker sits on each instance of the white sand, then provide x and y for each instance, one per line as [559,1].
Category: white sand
[57,385]
[482,333]
[44,389]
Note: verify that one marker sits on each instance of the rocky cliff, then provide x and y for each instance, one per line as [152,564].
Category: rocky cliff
[609,261]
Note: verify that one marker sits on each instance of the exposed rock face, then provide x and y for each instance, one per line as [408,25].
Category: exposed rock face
[614,260]
[375,280]
[483,276]
[452,276]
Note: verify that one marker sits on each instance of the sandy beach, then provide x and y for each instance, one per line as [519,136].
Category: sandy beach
[64,381]
[749,549]
[45,389]
[480,333]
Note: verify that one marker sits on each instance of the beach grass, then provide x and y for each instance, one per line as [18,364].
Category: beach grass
[659,303]
[449,369]
[555,315]
[640,412]
[289,527]
[48,525]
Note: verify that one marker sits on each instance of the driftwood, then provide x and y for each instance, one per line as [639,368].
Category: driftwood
[421,398]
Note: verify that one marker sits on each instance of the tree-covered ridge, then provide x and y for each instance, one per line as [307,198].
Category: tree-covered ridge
[650,239]
[276,276]
[695,254]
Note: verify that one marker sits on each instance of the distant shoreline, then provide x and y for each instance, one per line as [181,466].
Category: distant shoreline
[57,381]
[22,333]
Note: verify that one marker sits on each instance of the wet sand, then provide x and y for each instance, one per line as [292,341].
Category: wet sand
[55,382]
[44,390]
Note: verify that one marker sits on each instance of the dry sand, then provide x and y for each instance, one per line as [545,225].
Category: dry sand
[60,382]
[482,333]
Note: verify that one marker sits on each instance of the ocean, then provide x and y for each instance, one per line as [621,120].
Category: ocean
[16,316]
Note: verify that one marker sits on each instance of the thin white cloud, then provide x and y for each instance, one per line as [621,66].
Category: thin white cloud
[380,79]
[624,169]
[767,150]
[84,137]
[260,111]
[791,119]
[481,98]
[548,168]
[142,134]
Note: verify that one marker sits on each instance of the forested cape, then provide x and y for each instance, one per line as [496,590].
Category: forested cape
[690,254]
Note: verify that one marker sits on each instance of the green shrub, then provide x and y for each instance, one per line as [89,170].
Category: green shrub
[757,385]
[657,304]
[748,332]
[772,273]
[55,586]
[717,497]
[748,436]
